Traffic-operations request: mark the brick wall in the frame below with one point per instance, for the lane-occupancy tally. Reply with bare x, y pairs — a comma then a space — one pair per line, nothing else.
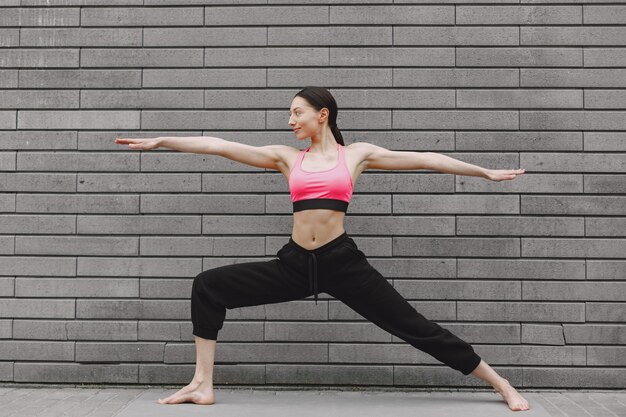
99, 244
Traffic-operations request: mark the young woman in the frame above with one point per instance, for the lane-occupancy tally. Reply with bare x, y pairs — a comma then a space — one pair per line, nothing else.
320, 256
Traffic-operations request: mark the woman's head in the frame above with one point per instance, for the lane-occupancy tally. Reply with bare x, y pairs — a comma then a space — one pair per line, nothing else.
314, 109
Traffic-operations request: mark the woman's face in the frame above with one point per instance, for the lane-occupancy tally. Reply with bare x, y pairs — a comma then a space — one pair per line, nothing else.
304, 118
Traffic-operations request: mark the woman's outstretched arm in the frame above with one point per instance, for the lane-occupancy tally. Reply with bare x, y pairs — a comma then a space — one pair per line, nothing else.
381, 158
193, 144
269, 156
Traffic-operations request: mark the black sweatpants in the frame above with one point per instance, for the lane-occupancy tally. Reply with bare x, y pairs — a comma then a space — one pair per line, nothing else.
337, 268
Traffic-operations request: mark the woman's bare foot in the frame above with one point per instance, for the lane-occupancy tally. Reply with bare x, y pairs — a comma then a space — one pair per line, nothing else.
196, 392
515, 401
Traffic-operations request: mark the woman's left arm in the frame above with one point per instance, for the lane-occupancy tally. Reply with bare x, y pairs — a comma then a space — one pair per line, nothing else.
381, 158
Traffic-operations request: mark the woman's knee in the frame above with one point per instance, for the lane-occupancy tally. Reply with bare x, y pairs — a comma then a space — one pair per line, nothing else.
207, 280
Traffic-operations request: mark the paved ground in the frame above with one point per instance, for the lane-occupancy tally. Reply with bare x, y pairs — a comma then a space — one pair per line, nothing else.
106, 401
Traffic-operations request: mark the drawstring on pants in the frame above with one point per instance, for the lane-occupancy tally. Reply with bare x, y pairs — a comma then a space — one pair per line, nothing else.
313, 274
312, 261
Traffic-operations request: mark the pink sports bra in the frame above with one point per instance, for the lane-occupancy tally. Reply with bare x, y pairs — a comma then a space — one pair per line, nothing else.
328, 189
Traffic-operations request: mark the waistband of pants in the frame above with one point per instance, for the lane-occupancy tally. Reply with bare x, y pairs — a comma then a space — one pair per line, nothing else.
312, 257
325, 247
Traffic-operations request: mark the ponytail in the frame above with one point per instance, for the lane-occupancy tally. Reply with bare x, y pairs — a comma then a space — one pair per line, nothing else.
337, 134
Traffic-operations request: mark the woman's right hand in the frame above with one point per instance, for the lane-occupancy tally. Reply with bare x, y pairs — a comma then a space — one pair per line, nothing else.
142, 144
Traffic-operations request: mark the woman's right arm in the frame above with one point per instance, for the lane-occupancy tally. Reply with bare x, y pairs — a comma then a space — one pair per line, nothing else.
193, 144
269, 156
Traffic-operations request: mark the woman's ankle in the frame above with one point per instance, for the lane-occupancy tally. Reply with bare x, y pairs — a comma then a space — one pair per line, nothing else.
502, 383
201, 379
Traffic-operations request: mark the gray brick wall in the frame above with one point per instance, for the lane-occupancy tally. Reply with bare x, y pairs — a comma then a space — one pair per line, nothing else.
99, 244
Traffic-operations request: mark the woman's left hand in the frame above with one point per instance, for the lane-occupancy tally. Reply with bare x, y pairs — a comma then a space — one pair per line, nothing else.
504, 174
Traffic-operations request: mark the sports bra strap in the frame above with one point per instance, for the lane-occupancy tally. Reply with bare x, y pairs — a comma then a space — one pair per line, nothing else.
298, 164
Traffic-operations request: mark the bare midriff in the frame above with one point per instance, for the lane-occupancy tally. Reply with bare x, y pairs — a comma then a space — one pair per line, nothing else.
316, 227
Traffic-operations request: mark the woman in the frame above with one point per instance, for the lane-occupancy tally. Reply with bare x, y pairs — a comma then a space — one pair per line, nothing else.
321, 179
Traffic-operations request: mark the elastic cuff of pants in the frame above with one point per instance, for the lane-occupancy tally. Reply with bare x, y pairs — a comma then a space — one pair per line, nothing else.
474, 364
205, 333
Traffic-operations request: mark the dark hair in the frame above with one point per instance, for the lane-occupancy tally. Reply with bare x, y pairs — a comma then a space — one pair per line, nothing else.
318, 98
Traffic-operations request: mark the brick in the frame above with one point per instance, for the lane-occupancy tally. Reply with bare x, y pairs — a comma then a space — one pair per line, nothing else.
141, 182
456, 246
9, 38
268, 15
78, 161
7, 289
324, 35
386, 14
74, 372
132, 309
604, 99
542, 334
73, 203
519, 15
585, 120
439, 204
521, 311
455, 119
604, 57
41, 58
205, 36
25, 182
273, 352
518, 141
596, 334
574, 205
81, 2
76, 287
605, 14
574, 77
571, 291
516, 57
78, 119
606, 356
39, 350
604, 141
139, 57
79, 78
597, 311
456, 77
172, 119
36, 307
141, 16
8, 119
203, 246
8, 79
205, 76
80, 37
118, 352
45, 16
606, 269
459, 289
43, 99
581, 162
580, 377
601, 226
572, 35
396, 56
520, 226
560, 269
528, 98
329, 374
455, 35
583, 248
